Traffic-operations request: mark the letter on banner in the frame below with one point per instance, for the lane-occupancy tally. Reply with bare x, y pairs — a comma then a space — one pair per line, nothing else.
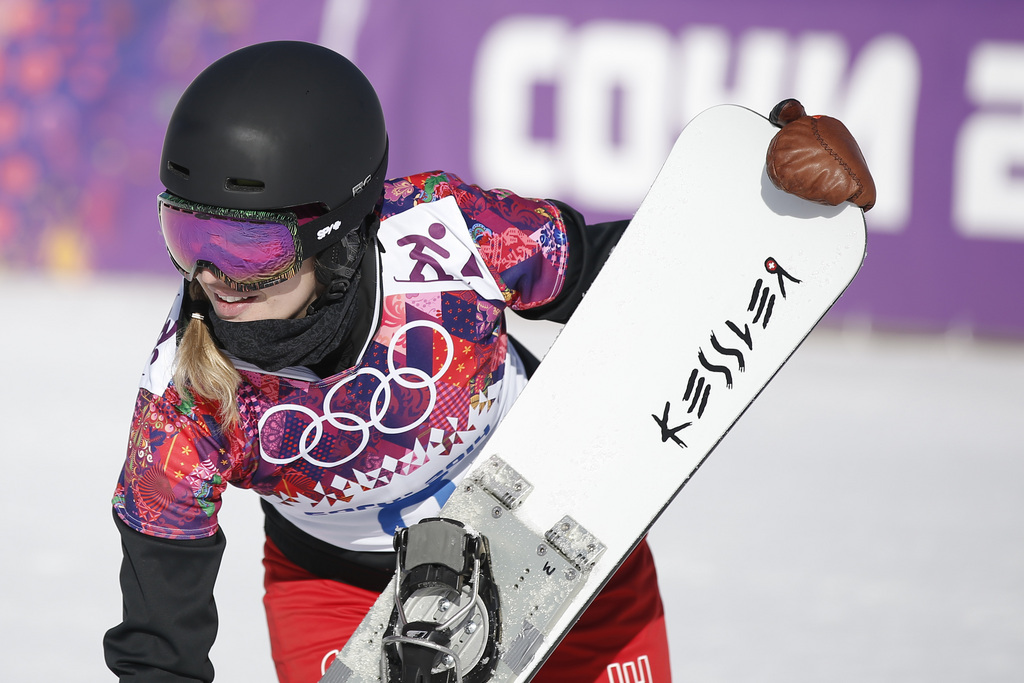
988, 182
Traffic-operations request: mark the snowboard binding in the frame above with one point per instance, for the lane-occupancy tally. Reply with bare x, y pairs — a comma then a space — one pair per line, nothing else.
444, 627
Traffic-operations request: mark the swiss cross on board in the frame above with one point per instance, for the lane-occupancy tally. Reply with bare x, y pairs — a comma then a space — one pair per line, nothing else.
725, 354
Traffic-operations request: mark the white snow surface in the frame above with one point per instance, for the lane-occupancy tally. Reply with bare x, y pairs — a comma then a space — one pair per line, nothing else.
864, 521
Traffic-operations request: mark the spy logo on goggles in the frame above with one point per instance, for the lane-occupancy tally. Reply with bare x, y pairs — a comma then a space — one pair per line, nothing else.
320, 234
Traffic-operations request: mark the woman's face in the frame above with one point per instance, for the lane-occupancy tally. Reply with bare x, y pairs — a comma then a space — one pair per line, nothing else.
288, 299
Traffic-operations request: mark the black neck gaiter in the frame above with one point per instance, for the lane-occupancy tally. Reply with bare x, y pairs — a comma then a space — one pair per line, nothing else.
275, 344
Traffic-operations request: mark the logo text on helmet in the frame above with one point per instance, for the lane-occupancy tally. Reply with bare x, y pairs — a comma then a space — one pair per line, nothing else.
324, 232
359, 186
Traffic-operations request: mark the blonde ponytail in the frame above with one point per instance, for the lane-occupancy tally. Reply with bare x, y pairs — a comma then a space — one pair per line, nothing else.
202, 368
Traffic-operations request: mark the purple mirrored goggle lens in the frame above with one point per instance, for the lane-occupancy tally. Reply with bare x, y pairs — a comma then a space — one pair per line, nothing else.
248, 250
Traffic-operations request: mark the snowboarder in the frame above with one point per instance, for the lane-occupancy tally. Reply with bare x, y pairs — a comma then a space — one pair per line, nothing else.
338, 344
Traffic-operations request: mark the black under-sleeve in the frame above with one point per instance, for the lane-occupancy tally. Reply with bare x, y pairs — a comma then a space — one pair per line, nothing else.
589, 246
169, 616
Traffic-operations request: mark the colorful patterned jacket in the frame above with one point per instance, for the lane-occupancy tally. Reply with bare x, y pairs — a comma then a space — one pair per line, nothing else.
341, 461
348, 457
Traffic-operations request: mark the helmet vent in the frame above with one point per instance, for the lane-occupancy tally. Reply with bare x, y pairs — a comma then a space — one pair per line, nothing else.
177, 169
244, 185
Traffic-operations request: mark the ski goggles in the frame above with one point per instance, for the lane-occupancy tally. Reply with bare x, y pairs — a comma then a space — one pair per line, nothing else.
252, 249
246, 249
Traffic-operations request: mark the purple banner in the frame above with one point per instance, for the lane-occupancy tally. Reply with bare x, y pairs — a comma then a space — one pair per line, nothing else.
578, 101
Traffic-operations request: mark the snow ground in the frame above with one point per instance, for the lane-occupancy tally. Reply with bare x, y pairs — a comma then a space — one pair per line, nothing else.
864, 521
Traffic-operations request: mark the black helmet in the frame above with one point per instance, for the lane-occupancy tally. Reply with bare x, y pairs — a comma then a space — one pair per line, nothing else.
276, 125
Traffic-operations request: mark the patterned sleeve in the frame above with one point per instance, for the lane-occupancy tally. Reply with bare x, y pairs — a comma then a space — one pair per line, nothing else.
522, 241
175, 470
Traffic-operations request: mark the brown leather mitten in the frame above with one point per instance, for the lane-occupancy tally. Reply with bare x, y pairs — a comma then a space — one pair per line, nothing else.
816, 158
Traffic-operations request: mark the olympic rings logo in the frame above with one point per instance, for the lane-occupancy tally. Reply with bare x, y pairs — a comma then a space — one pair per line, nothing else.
377, 407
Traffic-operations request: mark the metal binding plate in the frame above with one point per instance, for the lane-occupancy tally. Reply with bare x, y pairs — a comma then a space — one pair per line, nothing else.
578, 545
503, 482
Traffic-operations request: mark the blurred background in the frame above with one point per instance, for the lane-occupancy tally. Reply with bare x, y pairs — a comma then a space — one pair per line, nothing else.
861, 522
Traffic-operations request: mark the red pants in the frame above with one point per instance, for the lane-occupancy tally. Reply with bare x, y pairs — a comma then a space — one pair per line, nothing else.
621, 637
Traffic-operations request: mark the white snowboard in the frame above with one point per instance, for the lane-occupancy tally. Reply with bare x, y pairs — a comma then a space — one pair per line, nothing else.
718, 279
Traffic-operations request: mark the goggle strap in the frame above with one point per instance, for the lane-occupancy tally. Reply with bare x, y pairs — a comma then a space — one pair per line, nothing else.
323, 231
